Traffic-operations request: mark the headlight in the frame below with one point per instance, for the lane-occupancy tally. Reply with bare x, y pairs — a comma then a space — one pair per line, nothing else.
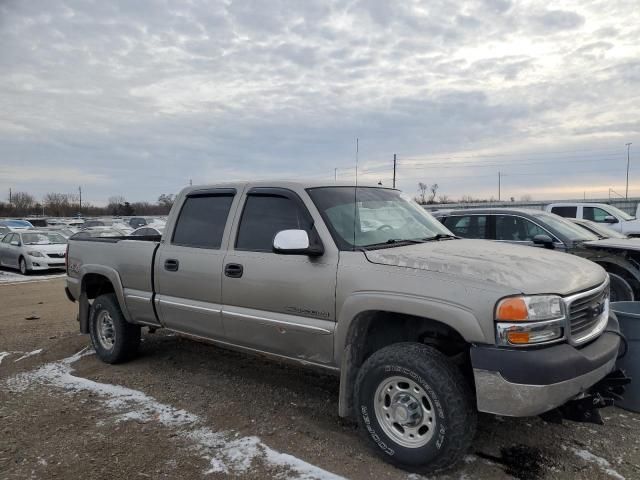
523, 320
35, 254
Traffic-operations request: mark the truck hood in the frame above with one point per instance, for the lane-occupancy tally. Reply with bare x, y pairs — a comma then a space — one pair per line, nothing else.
621, 243
528, 270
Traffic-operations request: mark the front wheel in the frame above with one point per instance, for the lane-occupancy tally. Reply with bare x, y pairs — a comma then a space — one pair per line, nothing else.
114, 339
24, 270
415, 408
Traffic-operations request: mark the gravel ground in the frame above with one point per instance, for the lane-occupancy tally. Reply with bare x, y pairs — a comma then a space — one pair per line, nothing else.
184, 409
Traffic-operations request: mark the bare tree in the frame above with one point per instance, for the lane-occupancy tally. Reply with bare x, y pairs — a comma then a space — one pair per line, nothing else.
22, 202
57, 204
444, 199
166, 201
526, 198
422, 188
433, 189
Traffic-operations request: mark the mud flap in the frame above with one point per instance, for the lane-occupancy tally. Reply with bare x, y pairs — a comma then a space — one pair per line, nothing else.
587, 407
83, 313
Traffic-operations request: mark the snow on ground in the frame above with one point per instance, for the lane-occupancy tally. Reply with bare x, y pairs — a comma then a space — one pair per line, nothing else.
11, 276
28, 354
227, 452
604, 465
3, 355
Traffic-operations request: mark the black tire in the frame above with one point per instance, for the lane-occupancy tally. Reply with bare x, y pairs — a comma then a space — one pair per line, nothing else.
451, 399
124, 335
621, 291
22, 266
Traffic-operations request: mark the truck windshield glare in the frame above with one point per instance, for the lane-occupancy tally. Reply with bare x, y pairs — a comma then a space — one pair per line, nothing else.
382, 217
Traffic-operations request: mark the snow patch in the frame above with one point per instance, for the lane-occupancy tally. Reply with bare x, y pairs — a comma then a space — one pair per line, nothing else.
604, 465
3, 355
27, 355
225, 451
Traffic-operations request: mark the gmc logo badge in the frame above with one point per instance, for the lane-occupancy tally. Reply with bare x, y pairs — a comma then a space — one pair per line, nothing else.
596, 310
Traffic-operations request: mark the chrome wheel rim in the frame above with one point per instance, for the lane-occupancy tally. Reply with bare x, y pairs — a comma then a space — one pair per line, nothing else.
405, 412
105, 330
23, 266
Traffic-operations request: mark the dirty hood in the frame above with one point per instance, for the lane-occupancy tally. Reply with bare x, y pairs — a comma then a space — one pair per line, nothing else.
526, 269
621, 243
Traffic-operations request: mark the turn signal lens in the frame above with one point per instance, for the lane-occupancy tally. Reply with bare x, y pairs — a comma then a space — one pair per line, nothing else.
512, 309
518, 337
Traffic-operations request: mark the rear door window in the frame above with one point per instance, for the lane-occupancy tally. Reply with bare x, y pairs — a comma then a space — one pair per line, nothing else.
202, 220
567, 212
468, 226
595, 214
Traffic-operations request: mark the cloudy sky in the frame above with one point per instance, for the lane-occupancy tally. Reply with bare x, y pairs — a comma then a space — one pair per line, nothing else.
137, 97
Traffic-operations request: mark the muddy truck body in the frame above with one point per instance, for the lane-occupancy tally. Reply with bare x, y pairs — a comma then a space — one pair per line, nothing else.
422, 328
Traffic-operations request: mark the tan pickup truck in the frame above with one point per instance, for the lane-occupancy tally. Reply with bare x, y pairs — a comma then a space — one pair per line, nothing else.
423, 329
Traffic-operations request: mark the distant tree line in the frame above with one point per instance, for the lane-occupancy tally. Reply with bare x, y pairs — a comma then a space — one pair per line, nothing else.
428, 195
23, 204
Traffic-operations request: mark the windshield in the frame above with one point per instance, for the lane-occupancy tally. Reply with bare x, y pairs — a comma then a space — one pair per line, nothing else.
381, 216
619, 213
601, 230
18, 223
566, 228
42, 238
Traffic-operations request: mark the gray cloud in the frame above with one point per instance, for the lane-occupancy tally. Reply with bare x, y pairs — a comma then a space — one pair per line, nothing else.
135, 98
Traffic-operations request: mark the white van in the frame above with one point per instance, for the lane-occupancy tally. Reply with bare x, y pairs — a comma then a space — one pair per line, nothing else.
615, 218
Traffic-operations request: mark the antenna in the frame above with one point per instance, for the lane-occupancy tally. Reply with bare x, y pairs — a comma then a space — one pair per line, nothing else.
355, 196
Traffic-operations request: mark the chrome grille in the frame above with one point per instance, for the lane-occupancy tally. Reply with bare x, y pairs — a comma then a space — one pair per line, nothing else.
55, 255
588, 313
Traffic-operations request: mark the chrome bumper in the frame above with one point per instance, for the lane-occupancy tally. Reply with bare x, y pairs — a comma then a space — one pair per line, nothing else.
498, 396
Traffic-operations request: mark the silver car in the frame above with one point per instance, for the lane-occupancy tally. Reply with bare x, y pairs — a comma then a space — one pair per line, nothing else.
32, 250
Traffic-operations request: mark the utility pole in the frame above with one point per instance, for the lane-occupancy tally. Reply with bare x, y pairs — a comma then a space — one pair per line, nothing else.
9, 196
80, 192
499, 186
394, 170
335, 175
626, 196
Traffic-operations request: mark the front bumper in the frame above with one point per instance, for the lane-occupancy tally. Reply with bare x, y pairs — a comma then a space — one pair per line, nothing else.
522, 383
45, 263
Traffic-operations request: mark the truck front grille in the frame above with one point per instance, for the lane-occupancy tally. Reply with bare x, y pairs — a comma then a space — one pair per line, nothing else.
588, 313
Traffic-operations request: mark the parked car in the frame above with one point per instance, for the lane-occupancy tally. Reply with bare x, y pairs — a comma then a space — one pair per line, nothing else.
93, 232
15, 225
423, 329
137, 222
543, 229
149, 230
63, 230
31, 250
598, 229
600, 213
3, 231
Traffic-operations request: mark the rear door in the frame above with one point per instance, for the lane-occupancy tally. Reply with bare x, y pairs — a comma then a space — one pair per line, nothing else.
282, 304
4, 249
188, 266
469, 226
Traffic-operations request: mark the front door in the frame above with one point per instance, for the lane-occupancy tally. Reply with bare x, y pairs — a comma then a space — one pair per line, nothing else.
282, 304
188, 266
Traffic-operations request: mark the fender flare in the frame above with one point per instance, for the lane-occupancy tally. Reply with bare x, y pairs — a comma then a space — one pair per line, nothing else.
456, 316
111, 275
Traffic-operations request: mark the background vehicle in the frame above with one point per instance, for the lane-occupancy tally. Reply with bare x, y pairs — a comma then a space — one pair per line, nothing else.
615, 218
136, 222
33, 250
542, 229
15, 225
148, 230
423, 329
63, 230
99, 232
598, 229
3, 231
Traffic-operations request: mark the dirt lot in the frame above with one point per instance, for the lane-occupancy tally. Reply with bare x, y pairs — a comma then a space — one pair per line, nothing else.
190, 410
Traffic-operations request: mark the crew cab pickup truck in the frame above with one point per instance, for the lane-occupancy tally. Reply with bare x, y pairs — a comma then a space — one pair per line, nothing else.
423, 329
613, 217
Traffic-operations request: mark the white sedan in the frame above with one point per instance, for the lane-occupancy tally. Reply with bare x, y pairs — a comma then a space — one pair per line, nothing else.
32, 250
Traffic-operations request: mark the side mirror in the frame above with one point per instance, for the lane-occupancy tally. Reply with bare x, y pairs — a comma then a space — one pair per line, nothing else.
610, 219
15, 243
294, 242
543, 240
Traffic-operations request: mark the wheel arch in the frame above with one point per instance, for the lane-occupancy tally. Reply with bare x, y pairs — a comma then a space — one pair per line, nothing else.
373, 329
627, 272
97, 280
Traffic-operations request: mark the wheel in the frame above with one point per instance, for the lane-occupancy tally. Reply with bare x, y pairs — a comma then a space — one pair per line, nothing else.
621, 291
114, 339
23, 267
415, 408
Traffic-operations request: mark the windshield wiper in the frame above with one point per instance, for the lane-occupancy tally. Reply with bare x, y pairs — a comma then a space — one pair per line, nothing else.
394, 241
439, 236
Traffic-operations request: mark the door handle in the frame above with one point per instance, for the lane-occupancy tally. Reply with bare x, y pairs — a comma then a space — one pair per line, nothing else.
233, 270
171, 265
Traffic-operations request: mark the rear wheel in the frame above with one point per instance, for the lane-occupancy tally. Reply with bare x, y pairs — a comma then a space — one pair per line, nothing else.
23, 267
415, 408
114, 339
621, 291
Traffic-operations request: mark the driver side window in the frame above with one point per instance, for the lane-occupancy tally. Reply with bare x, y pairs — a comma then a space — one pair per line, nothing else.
516, 229
595, 214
